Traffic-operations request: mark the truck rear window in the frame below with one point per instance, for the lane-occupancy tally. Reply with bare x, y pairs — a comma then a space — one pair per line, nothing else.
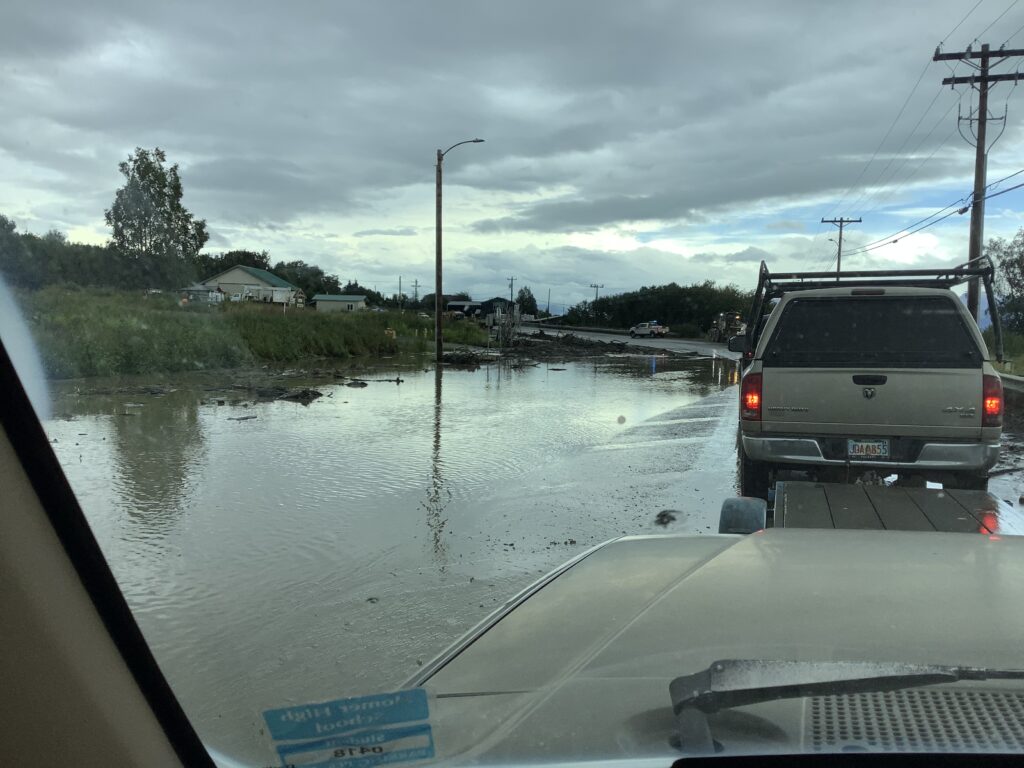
890, 331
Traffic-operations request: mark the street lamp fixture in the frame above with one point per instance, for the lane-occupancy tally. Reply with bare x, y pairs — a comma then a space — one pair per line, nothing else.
438, 293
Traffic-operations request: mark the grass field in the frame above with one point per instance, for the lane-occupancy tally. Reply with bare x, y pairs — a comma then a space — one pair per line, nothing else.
83, 332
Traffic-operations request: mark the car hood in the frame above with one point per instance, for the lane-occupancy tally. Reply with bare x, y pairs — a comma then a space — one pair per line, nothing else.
579, 667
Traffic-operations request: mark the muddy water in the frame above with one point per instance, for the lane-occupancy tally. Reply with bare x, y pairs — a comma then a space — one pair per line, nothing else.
278, 554
326, 550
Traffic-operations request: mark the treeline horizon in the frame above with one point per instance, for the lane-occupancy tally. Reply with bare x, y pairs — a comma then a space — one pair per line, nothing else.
31, 262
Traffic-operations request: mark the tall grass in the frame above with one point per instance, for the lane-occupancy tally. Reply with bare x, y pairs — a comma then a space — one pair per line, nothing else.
99, 332
90, 332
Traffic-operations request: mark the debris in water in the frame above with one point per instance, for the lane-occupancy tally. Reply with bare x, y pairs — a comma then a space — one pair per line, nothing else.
355, 383
665, 517
373, 599
304, 396
241, 418
462, 357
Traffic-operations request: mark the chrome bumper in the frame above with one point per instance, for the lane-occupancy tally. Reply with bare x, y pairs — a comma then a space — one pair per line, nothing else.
805, 450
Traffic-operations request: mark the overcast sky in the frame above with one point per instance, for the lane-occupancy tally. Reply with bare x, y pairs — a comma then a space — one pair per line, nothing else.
627, 144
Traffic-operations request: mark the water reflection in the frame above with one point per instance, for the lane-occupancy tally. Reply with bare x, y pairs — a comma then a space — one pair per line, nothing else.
438, 495
703, 375
158, 447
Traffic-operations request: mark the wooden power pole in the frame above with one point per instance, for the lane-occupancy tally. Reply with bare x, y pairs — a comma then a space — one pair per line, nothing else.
981, 80
841, 222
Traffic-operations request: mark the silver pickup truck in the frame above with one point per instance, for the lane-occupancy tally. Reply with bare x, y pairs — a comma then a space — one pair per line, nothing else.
882, 372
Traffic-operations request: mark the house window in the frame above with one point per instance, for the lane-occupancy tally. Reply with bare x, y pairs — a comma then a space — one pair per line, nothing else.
351, 307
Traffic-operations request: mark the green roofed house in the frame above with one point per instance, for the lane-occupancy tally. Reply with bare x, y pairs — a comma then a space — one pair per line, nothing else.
242, 283
329, 302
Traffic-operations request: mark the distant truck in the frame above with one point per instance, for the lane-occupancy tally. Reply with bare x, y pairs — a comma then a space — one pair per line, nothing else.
648, 329
725, 325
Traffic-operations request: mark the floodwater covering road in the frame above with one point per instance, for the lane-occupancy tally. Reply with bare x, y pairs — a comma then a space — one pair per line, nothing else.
280, 554
705, 348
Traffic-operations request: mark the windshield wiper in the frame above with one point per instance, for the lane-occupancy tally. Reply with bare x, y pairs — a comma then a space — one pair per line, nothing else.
737, 683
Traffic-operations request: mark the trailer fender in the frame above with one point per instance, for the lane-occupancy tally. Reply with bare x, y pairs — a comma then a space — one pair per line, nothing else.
743, 514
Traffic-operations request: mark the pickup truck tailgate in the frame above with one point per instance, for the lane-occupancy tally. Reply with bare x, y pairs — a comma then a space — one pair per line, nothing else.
933, 402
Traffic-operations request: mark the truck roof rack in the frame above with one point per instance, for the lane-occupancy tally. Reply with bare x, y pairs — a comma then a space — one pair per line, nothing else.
773, 286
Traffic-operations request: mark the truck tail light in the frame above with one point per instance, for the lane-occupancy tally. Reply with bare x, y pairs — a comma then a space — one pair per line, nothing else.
992, 402
750, 397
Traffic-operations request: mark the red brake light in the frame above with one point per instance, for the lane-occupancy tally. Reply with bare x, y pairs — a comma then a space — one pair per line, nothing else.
750, 397
992, 402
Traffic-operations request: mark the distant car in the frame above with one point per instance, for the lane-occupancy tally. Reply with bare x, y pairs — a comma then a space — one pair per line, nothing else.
648, 329
423, 314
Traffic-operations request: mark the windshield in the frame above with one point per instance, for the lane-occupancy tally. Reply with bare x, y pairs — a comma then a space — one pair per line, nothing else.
351, 324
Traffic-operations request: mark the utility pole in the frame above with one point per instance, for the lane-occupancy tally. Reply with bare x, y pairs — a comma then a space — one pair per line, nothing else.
438, 292
841, 222
399, 292
511, 280
548, 310
981, 81
596, 288
416, 290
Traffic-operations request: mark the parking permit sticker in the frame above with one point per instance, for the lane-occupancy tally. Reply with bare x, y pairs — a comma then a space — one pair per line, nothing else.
358, 732
364, 749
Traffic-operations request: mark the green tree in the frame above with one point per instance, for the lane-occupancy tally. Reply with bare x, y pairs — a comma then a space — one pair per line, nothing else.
427, 299
353, 288
1008, 258
16, 263
309, 277
210, 264
527, 303
150, 225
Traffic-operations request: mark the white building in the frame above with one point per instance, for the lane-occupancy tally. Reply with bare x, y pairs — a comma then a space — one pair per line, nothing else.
242, 283
328, 302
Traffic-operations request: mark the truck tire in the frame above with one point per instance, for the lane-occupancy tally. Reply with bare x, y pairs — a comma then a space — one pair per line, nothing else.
632, 334
753, 475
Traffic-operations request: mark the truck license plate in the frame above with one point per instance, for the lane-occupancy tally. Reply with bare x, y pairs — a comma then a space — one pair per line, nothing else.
867, 449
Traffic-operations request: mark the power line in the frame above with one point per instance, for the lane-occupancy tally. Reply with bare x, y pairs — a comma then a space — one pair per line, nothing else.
982, 82
899, 236
954, 29
864, 195
893, 190
1013, 35
902, 109
997, 18
914, 228
1003, 191
905, 103
888, 239
1005, 178
892, 125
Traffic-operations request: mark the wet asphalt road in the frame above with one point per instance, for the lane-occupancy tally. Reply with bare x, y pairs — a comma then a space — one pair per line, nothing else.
668, 344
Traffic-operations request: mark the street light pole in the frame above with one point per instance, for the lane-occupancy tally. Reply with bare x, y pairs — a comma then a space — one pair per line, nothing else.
438, 293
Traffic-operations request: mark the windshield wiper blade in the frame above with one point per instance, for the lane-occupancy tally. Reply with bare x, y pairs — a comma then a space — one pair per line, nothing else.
739, 682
